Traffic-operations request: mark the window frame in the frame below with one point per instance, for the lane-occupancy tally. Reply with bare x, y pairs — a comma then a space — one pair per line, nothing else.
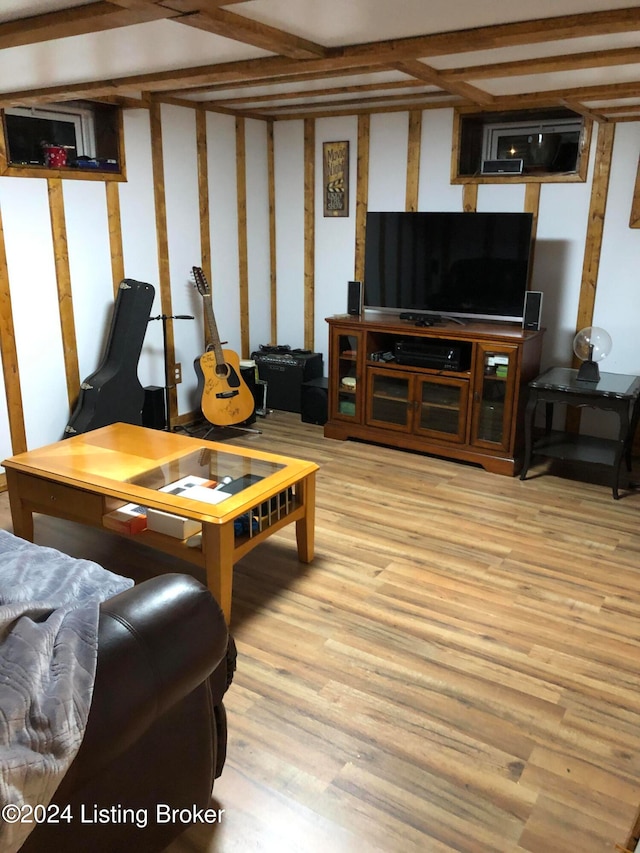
531, 121
83, 117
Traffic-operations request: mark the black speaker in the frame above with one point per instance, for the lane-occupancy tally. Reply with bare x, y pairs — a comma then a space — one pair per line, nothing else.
314, 405
532, 309
354, 298
511, 166
284, 373
153, 408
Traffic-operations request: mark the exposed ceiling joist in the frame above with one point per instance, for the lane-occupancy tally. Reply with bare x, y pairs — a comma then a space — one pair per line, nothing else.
81, 20
399, 64
500, 36
546, 64
421, 71
208, 16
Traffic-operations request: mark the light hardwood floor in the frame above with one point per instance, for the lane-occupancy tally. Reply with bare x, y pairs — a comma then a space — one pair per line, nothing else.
457, 670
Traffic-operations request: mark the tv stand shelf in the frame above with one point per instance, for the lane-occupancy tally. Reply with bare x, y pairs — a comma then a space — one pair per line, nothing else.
457, 391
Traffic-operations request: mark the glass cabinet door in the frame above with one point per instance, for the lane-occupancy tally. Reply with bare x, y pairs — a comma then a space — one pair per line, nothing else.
442, 407
389, 399
493, 395
348, 394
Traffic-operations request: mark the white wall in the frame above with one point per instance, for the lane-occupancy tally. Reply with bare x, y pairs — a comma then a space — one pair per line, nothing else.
85, 206
435, 192
289, 180
139, 237
183, 238
258, 253
223, 211
335, 235
34, 298
388, 149
562, 228
617, 307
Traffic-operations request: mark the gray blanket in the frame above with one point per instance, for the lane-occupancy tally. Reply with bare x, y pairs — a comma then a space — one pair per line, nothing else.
49, 607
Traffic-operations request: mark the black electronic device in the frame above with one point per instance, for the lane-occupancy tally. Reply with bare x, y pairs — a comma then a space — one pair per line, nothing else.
154, 414
457, 265
354, 298
314, 402
284, 372
532, 310
382, 355
440, 356
508, 166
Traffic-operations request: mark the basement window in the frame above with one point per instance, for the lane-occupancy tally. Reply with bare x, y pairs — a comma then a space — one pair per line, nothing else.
70, 137
526, 145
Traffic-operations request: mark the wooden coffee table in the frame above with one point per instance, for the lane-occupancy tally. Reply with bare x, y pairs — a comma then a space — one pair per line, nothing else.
86, 477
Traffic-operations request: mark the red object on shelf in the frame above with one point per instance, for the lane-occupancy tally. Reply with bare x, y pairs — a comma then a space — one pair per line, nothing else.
55, 156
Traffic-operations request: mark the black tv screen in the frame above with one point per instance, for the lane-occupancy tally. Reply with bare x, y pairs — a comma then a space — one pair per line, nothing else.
469, 265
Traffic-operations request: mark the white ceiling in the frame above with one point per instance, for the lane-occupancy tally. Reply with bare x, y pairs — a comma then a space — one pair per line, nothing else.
334, 56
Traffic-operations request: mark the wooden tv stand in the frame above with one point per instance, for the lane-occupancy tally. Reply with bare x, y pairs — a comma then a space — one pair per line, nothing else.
457, 391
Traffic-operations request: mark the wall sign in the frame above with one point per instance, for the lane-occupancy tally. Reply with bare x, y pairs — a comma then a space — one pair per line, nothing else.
335, 174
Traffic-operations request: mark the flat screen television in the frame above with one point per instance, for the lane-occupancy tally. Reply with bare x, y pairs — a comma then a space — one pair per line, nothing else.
463, 265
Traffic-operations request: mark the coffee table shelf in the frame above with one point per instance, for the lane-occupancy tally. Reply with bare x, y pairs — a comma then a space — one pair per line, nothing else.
88, 476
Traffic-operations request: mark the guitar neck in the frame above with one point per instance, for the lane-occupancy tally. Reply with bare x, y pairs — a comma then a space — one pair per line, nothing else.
214, 336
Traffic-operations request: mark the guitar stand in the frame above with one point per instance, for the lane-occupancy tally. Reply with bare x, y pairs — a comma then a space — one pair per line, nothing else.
260, 410
167, 380
213, 428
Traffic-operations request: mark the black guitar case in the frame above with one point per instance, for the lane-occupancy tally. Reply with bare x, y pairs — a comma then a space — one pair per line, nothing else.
113, 394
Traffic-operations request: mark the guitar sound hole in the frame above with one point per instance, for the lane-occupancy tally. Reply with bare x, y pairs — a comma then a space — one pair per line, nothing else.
228, 372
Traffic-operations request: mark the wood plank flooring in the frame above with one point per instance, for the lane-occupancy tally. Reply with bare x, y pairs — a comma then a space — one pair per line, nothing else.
457, 670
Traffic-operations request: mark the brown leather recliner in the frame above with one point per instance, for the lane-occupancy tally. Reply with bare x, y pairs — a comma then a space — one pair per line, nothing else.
156, 734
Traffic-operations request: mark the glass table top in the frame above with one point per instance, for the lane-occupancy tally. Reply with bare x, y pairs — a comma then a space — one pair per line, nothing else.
609, 384
220, 474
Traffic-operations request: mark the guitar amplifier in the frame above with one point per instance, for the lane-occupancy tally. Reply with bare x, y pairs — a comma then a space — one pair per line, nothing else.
284, 370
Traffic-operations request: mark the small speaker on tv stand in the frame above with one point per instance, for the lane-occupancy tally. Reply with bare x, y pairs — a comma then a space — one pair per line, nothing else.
532, 310
354, 298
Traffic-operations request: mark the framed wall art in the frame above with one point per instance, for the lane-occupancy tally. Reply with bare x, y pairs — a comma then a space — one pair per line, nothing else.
335, 172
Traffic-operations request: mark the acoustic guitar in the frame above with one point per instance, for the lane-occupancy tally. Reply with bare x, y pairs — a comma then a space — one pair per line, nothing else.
226, 398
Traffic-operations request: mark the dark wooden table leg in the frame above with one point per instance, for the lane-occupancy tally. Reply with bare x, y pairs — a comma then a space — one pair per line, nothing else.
528, 431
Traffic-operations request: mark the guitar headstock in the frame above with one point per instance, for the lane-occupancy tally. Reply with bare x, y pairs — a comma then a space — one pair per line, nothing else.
201, 282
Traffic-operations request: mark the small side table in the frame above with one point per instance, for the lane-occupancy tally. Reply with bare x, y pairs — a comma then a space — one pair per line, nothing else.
615, 392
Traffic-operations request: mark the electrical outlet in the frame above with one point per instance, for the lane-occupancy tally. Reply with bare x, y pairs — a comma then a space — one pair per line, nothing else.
177, 373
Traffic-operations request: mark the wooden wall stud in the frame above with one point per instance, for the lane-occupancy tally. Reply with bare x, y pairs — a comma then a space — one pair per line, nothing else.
309, 231
243, 262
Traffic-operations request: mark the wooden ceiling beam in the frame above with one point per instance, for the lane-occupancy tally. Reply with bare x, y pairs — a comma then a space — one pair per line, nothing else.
187, 6
291, 78
335, 90
578, 96
412, 100
240, 28
361, 109
401, 54
421, 71
80, 20
499, 36
208, 16
545, 64
272, 68
581, 110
